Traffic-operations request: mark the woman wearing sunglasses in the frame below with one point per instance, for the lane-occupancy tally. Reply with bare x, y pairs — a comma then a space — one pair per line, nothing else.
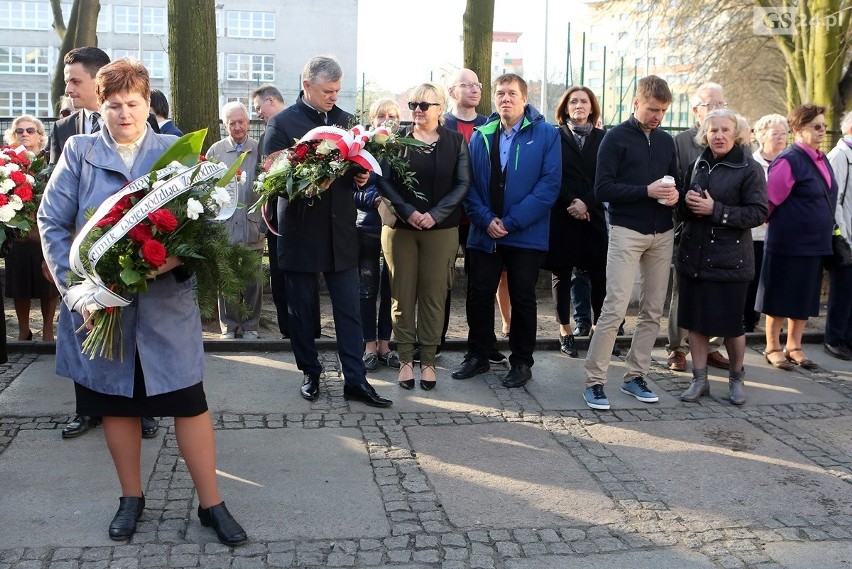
421, 244
802, 198
24, 277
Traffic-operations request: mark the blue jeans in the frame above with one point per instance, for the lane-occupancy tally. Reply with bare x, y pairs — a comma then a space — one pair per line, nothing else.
374, 283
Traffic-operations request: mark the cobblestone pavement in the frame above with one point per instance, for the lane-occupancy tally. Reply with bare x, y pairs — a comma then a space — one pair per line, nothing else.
649, 528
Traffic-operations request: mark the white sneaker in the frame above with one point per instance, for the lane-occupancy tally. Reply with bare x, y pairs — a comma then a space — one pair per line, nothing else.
228, 336
250, 335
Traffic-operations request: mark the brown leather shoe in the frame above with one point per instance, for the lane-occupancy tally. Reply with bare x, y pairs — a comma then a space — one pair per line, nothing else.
716, 359
677, 361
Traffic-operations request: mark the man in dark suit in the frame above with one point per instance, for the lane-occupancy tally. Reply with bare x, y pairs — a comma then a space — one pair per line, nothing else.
319, 235
160, 108
81, 66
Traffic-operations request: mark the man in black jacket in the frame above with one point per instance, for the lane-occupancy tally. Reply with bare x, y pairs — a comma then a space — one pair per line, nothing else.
319, 235
632, 160
81, 66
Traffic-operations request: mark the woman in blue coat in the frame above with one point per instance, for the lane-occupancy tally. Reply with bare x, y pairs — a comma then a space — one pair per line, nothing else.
161, 368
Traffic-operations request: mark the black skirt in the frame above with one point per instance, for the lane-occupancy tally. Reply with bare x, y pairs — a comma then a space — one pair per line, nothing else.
789, 286
187, 402
711, 308
24, 278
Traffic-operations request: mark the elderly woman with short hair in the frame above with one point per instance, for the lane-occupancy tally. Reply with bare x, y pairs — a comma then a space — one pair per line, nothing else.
724, 197
421, 246
771, 133
25, 279
802, 197
162, 363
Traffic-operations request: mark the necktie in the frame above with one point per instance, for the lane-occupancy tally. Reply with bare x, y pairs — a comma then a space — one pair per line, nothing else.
324, 117
238, 147
96, 123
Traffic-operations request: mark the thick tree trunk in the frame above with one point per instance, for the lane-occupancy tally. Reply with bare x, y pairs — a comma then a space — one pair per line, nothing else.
192, 64
478, 33
81, 31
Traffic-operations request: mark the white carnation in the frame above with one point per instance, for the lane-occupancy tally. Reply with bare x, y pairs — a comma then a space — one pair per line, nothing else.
220, 196
30, 180
194, 208
13, 167
16, 202
6, 185
6, 213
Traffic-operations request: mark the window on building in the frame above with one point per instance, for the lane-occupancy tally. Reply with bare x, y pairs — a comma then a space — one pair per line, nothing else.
29, 60
595, 65
25, 15
672, 60
250, 67
15, 103
157, 64
258, 25
126, 19
594, 83
154, 21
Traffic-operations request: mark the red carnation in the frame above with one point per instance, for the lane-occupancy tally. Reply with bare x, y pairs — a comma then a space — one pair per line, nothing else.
141, 232
109, 219
153, 252
3, 199
163, 220
25, 192
202, 158
300, 152
18, 177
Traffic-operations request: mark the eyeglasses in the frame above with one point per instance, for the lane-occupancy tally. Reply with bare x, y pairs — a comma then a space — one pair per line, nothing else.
818, 127
471, 85
711, 106
424, 106
257, 107
28, 130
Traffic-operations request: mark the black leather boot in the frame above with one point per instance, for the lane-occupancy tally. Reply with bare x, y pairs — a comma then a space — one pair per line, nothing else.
227, 529
123, 525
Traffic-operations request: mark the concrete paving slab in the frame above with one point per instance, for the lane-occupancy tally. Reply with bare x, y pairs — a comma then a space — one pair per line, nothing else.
450, 395
835, 432
682, 559
820, 555
508, 475
266, 383
292, 484
722, 469
61, 493
765, 385
38, 391
558, 384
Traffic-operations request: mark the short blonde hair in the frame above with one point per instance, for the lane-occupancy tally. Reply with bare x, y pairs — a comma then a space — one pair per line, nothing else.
766, 123
384, 105
431, 90
11, 137
740, 127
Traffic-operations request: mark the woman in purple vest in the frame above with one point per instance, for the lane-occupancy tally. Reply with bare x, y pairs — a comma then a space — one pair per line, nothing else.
802, 196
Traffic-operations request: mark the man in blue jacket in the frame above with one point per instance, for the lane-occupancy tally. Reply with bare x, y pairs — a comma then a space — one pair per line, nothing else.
632, 160
517, 170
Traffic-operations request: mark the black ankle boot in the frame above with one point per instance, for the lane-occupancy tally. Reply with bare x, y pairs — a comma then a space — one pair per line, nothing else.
228, 530
123, 525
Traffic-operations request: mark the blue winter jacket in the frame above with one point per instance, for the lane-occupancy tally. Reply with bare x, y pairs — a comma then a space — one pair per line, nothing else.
533, 178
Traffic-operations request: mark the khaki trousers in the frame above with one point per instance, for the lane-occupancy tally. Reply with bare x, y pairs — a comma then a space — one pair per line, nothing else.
420, 266
629, 252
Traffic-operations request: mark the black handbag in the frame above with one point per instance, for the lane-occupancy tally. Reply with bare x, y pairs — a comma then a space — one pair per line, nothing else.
841, 252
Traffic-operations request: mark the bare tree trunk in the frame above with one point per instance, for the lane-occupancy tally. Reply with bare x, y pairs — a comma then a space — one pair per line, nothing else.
81, 31
195, 91
58, 19
478, 37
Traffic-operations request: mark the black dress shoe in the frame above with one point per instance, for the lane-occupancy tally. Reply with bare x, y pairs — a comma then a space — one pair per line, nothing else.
518, 376
79, 425
365, 394
471, 366
310, 386
580, 331
568, 347
150, 425
123, 525
838, 351
227, 529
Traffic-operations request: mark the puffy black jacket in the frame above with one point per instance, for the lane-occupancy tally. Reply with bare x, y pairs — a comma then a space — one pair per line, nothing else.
719, 247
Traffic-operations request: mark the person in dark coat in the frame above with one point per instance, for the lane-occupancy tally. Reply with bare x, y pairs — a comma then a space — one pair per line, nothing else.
724, 199
319, 235
578, 236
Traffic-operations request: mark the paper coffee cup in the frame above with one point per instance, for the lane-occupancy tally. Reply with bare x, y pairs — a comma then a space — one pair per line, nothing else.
667, 181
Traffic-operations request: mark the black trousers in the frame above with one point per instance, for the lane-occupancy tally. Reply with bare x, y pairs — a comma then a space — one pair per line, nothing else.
522, 268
